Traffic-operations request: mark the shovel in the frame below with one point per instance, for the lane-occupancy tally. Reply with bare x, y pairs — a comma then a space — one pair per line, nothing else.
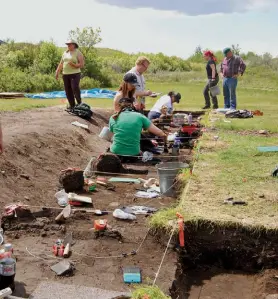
64, 214
67, 243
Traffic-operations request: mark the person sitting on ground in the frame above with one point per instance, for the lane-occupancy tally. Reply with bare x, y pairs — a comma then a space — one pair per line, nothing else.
127, 90
166, 100
164, 115
127, 125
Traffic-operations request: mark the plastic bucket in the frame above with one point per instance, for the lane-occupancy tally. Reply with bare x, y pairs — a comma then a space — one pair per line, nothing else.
167, 172
215, 90
105, 134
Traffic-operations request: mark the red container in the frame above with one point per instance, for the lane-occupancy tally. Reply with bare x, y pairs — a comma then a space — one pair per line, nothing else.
100, 225
189, 129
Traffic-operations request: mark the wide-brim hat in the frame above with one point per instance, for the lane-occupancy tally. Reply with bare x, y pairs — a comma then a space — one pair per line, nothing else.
70, 41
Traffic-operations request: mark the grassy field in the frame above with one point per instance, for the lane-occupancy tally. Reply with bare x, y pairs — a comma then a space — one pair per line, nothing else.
192, 99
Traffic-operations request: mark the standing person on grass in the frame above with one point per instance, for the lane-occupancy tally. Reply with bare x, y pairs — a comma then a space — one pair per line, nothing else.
231, 68
127, 90
213, 80
141, 66
71, 63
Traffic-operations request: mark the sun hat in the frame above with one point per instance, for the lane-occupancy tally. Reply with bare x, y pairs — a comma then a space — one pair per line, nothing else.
130, 78
70, 41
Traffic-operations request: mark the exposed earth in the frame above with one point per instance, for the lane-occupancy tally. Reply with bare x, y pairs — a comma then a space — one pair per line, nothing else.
38, 145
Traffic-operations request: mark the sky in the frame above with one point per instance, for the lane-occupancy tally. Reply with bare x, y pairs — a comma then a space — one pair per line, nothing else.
174, 27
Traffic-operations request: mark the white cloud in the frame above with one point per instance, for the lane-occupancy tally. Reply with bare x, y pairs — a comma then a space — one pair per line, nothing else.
199, 7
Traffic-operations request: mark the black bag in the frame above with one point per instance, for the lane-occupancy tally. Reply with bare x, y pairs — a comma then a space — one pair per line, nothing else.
239, 114
83, 110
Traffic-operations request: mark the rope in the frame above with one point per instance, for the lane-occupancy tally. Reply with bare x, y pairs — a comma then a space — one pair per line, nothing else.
116, 256
95, 257
163, 258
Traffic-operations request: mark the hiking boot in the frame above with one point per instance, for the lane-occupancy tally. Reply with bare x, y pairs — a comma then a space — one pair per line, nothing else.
206, 107
215, 107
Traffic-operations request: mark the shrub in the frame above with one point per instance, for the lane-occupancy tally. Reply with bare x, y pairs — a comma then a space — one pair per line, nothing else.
89, 83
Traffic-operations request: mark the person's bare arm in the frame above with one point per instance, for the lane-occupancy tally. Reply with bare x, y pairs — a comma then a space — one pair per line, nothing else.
116, 101
156, 131
1, 140
144, 93
213, 68
59, 68
221, 70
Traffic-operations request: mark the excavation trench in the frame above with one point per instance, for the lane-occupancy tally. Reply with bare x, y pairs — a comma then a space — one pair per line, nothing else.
36, 152
226, 262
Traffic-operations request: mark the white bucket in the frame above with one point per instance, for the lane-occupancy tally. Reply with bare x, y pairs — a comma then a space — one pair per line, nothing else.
215, 90
106, 134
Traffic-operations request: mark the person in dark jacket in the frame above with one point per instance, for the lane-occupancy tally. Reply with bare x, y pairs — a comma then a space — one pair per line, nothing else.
213, 80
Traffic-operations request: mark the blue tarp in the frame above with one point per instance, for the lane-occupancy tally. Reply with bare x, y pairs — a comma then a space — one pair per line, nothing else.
89, 93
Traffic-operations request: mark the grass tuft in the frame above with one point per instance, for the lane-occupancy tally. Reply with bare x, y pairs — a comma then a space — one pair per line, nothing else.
148, 292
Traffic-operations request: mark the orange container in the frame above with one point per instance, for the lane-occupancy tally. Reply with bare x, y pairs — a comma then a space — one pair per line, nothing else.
100, 224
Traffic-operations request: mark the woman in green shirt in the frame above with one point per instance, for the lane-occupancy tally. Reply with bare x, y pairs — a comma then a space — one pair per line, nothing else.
127, 125
71, 63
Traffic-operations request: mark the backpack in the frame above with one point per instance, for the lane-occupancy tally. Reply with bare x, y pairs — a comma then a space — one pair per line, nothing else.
83, 110
239, 114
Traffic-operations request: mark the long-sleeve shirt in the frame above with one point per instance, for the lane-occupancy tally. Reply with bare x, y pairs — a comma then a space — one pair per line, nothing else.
232, 66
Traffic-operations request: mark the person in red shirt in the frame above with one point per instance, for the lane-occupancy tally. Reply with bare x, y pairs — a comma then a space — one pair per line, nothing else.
213, 80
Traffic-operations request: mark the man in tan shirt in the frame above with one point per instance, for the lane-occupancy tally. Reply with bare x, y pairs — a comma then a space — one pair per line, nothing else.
141, 66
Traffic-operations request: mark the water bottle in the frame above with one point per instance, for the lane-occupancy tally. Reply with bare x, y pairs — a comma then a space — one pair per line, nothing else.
176, 148
190, 118
7, 269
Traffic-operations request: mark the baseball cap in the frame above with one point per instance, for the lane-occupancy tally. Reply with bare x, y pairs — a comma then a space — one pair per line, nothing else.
130, 78
177, 97
226, 51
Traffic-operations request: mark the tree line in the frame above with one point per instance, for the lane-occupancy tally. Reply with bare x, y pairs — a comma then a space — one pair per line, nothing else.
29, 67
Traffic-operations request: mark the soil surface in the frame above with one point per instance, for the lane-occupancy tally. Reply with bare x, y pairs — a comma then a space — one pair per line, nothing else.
38, 145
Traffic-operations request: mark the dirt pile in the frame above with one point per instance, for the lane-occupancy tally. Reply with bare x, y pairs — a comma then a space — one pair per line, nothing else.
38, 145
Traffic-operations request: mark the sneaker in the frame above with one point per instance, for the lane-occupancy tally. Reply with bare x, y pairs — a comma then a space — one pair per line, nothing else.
206, 107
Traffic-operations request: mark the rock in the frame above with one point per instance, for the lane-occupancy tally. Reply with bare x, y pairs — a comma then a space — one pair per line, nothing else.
44, 234
25, 176
3, 172
26, 198
261, 196
114, 204
263, 132
37, 224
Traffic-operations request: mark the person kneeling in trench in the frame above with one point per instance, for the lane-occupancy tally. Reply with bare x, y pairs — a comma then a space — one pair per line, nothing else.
127, 126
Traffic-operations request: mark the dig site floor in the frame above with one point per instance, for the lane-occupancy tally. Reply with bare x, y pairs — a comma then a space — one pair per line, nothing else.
38, 145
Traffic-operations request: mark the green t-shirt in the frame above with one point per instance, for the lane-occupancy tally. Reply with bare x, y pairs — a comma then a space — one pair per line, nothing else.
127, 130
70, 57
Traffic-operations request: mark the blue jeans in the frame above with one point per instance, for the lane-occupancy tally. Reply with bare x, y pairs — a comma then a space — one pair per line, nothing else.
229, 91
153, 115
